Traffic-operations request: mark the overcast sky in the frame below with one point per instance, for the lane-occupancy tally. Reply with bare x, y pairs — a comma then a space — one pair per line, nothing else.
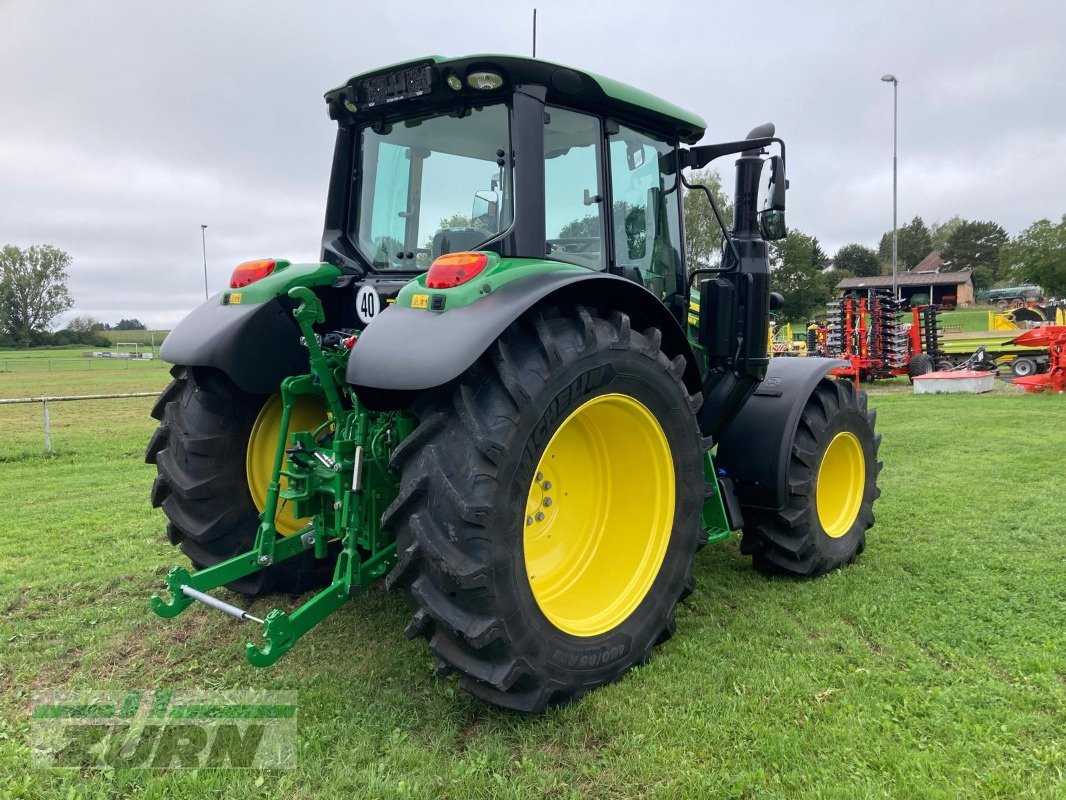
125, 125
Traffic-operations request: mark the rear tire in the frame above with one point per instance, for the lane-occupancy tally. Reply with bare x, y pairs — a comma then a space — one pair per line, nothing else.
471, 482
824, 522
199, 450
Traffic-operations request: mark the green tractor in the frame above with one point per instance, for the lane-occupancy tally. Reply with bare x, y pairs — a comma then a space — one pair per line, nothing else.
501, 388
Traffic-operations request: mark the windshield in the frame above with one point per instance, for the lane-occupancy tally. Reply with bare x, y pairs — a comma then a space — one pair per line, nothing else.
432, 186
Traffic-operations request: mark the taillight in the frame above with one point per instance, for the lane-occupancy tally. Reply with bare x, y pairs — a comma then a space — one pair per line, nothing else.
250, 272
454, 269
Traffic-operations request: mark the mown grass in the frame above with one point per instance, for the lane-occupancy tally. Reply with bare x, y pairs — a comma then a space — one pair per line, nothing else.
934, 667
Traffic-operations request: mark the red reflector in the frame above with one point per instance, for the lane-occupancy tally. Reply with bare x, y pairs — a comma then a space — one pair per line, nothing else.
250, 272
455, 268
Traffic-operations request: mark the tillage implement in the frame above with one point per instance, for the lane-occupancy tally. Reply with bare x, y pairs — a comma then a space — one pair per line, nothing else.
503, 390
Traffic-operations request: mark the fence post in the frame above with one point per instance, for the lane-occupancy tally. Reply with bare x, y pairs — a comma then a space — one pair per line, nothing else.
47, 429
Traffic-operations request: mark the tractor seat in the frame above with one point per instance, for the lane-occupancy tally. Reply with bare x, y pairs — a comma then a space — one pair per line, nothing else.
457, 240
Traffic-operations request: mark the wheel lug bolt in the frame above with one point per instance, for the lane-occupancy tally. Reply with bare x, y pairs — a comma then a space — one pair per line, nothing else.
540, 516
529, 520
547, 501
540, 477
547, 485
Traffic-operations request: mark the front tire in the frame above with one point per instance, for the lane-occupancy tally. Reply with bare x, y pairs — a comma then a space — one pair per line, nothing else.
572, 427
832, 485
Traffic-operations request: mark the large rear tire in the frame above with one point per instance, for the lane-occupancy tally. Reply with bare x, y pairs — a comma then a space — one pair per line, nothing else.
203, 462
832, 485
550, 509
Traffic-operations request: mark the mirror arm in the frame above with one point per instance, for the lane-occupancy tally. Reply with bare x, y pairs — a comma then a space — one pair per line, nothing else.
721, 223
701, 156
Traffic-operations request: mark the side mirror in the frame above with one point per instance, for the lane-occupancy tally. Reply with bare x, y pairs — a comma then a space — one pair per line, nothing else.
772, 216
485, 209
634, 155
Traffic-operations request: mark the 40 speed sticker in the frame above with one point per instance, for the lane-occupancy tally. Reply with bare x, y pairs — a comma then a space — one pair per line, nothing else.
367, 304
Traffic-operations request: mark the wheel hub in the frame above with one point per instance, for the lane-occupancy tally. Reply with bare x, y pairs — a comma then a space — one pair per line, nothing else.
598, 515
307, 415
841, 484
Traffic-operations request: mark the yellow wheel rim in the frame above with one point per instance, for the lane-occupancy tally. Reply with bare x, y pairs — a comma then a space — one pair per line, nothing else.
841, 484
307, 415
598, 515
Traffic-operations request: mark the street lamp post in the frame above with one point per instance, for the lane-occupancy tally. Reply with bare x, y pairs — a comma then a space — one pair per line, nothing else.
890, 78
204, 242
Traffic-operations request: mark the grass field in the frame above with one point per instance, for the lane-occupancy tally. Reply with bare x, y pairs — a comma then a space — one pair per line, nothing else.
933, 668
137, 337
72, 372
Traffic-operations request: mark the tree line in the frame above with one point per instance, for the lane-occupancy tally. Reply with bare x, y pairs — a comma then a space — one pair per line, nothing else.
807, 276
34, 292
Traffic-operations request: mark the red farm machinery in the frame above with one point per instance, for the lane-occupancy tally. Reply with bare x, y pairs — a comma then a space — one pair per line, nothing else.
1053, 337
878, 338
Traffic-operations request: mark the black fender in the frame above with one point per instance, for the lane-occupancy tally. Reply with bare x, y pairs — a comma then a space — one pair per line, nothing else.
256, 345
753, 450
408, 350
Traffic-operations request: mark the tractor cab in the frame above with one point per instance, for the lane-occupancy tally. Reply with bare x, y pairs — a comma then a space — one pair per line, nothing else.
506, 155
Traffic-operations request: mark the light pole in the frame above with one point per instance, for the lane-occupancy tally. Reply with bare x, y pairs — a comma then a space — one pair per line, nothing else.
203, 241
890, 78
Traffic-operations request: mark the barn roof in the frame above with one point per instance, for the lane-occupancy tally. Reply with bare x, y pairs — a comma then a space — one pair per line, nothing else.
907, 279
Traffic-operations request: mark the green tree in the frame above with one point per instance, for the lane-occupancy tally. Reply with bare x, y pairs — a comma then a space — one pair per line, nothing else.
634, 222
982, 278
703, 236
33, 289
1038, 255
857, 259
587, 227
83, 325
940, 232
914, 245
976, 244
796, 264
130, 325
456, 220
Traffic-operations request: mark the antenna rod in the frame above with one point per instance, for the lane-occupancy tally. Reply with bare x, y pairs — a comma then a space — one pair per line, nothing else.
534, 33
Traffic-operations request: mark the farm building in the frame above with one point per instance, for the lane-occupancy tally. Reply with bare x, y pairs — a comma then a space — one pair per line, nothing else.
928, 279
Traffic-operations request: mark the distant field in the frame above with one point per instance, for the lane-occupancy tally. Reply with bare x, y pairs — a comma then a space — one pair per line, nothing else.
72, 363
139, 337
932, 668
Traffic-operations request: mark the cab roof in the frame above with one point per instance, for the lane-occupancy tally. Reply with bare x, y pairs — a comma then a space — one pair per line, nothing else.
391, 89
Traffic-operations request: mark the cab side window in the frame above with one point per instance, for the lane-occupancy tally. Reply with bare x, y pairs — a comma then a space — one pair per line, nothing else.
573, 197
645, 223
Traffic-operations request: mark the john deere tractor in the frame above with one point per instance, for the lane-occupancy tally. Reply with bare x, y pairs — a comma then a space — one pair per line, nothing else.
503, 390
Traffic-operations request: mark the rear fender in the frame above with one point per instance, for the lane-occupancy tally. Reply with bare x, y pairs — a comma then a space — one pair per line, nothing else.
413, 349
753, 450
249, 333
257, 346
